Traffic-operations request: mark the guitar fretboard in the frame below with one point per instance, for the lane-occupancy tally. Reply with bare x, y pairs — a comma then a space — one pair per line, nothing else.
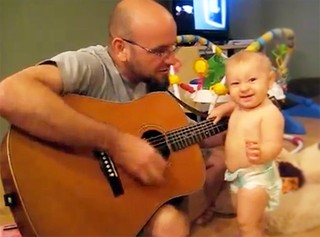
181, 138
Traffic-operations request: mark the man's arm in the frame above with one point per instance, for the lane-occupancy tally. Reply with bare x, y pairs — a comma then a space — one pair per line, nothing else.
217, 140
30, 100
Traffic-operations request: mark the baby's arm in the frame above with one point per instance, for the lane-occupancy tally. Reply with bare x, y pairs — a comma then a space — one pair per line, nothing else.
222, 110
271, 140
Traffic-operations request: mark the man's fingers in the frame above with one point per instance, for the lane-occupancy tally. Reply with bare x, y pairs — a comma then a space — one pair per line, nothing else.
153, 172
151, 177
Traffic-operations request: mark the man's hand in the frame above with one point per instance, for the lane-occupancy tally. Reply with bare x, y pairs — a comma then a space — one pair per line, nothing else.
139, 159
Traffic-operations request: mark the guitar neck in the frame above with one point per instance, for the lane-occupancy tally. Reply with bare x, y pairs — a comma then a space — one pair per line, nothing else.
181, 138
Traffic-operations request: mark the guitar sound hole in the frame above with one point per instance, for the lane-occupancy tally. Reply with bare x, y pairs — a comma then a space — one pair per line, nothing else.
158, 141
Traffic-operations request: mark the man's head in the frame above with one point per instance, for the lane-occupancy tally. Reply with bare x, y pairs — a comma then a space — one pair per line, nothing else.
142, 40
249, 76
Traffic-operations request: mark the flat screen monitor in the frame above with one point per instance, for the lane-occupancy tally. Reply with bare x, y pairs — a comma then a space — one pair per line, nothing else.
206, 18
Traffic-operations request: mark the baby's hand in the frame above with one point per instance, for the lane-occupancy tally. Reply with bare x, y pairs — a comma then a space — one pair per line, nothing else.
252, 150
216, 114
222, 110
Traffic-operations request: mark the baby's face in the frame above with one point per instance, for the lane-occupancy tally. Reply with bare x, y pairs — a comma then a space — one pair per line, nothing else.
248, 83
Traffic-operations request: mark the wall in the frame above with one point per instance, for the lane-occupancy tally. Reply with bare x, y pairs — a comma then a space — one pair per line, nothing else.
252, 18
33, 30
255, 17
304, 18
245, 18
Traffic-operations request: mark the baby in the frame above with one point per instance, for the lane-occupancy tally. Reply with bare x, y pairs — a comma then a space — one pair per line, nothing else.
254, 139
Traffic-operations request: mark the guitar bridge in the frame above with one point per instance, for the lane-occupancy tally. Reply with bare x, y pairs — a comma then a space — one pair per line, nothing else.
9, 199
110, 172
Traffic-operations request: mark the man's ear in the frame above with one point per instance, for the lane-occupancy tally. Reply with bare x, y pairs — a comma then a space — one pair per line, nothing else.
119, 48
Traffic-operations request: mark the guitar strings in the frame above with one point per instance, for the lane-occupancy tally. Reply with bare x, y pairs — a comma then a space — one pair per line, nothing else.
200, 127
192, 128
180, 141
177, 133
190, 131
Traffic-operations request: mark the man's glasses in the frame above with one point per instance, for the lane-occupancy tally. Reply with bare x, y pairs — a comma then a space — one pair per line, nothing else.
161, 51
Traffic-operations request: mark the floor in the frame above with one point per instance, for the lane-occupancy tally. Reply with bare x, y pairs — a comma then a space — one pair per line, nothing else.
221, 227
227, 228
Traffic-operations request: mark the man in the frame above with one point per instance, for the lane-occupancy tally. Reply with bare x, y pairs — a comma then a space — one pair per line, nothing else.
140, 49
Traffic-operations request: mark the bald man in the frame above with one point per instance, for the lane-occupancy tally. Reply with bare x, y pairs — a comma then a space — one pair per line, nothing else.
136, 60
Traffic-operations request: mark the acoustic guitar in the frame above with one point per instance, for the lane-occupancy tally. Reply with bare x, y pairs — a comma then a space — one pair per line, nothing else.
55, 190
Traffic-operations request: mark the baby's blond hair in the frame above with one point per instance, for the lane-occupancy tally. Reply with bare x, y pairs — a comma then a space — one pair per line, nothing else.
248, 56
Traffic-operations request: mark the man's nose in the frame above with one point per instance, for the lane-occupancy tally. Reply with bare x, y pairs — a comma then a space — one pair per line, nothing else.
171, 58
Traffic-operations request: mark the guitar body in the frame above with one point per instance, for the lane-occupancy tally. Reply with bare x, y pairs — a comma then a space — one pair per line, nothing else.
57, 191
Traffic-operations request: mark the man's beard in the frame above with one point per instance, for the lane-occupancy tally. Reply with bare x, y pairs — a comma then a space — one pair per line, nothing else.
156, 85
153, 83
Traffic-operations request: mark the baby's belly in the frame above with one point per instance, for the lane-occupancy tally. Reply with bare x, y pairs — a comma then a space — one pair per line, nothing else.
235, 156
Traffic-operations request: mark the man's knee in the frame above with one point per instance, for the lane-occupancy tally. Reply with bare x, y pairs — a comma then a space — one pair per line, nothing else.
168, 221
216, 159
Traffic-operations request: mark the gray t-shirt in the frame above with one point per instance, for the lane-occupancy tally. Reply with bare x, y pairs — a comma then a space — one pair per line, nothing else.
90, 71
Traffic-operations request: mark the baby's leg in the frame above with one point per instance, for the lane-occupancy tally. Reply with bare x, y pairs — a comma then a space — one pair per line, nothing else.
251, 204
